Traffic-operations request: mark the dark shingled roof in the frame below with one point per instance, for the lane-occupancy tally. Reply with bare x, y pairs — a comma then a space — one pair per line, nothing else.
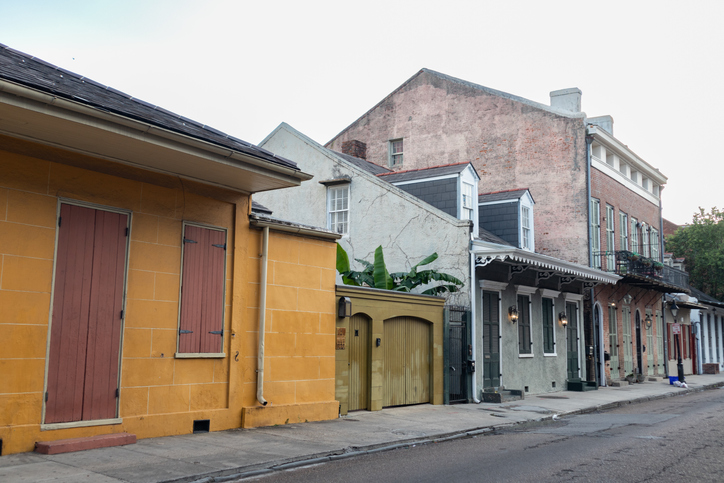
259, 208
487, 236
424, 173
362, 163
501, 195
704, 298
37, 74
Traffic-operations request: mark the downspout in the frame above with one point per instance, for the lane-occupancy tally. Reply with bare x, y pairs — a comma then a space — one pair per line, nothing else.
663, 298
262, 318
589, 141
473, 321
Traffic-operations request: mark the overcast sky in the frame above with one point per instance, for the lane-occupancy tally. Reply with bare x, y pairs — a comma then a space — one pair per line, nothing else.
245, 66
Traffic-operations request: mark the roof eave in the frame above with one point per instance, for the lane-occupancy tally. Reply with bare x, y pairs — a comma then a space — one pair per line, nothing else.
40, 117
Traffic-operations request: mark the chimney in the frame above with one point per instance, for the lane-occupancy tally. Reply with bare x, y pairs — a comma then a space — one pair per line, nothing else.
604, 122
567, 99
355, 148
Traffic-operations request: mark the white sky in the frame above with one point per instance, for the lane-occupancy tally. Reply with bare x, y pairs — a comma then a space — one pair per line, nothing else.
245, 66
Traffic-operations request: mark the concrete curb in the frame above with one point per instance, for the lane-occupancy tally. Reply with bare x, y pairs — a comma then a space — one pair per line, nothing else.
243, 472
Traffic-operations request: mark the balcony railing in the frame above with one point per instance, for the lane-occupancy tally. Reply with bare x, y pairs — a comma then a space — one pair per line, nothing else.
623, 262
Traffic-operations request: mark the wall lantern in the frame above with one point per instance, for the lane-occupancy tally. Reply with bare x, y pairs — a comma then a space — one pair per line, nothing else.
627, 299
344, 308
513, 313
563, 319
674, 309
647, 320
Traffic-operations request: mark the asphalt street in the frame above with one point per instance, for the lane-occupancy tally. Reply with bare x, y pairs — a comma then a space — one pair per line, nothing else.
674, 439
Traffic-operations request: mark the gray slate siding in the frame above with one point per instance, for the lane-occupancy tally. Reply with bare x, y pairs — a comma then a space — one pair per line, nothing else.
442, 194
501, 219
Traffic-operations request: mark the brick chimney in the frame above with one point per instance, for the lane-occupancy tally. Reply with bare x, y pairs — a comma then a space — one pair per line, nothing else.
567, 99
355, 148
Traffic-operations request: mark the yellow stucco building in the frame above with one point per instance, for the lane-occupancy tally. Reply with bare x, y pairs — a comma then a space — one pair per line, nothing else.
134, 277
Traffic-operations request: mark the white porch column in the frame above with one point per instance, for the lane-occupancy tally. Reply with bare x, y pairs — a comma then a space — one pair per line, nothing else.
705, 317
718, 320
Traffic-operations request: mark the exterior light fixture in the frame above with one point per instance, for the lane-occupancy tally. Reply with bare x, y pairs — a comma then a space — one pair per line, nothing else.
563, 319
674, 309
627, 299
647, 320
513, 313
344, 307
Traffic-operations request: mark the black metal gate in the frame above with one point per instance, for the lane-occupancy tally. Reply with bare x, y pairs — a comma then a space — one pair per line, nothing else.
459, 353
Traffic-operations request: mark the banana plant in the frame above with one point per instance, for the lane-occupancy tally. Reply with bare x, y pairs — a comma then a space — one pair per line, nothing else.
376, 275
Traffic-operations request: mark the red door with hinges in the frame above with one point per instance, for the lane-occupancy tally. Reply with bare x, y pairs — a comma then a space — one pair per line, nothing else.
85, 333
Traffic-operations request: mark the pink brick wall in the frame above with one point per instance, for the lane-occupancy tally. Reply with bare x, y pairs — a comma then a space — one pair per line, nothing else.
510, 143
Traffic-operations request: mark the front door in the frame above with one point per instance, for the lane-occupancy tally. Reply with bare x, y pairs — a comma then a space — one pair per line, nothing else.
359, 353
639, 352
85, 333
491, 340
572, 341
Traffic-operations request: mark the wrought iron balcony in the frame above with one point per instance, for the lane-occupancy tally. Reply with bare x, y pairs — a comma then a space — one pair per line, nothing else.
633, 266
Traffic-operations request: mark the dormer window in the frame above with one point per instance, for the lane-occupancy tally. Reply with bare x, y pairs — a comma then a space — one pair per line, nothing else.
525, 227
467, 201
395, 152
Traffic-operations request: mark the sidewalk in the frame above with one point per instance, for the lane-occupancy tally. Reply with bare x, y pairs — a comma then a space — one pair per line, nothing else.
229, 455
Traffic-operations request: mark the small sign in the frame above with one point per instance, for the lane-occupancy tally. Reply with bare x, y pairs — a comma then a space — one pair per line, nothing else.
676, 328
341, 337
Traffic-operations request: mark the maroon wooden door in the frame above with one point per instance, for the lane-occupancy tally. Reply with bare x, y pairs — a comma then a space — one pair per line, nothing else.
85, 335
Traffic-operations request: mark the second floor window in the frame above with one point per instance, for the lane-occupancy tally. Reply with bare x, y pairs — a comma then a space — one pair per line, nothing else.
623, 230
596, 232
655, 244
525, 227
338, 209
634, 236
645, 240
467, 201
395, 152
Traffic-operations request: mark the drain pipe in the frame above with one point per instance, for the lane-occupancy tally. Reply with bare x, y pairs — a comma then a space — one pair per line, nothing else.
473, 321
262, 318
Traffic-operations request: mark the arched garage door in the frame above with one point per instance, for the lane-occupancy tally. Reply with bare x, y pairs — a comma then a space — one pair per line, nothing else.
407, 361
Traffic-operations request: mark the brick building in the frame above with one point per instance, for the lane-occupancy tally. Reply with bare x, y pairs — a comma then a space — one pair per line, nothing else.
596, 202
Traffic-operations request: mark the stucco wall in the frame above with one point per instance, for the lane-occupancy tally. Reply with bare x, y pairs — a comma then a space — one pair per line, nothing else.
160, 394
408, 229
511, 144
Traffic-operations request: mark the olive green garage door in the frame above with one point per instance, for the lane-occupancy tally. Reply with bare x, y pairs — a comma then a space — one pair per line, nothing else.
407, 361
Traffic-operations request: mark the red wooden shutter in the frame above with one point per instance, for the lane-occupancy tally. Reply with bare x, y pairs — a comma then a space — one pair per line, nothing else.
202, 290
86, 324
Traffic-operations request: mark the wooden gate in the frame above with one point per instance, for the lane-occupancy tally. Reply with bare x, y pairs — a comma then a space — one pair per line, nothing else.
407, 361
359, 370
85, 334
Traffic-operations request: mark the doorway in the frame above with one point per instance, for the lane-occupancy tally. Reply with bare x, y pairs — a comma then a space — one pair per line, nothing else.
87, 315
639, 351
406, 361
491, 340
359, 365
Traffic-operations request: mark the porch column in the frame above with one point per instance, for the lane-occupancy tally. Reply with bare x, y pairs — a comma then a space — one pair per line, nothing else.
705, 333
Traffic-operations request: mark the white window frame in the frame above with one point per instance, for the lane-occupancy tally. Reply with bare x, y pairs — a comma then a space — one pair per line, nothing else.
623, 230
525, 227
634, 236
527, 292
645, 240
655, 244
610, 239
552, 295
467, 202
596, 232
333, 211
395, 158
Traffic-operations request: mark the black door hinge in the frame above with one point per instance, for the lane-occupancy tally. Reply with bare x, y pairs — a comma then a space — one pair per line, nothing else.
46, 396
185, 331
118, 392
217, 332
60, 220
126, 231
219, 246
187, 240
121, 314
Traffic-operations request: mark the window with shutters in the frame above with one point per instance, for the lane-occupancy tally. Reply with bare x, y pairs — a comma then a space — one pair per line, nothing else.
596, 232
634, 235
623, 230
525, 344
203, 276
549, 334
